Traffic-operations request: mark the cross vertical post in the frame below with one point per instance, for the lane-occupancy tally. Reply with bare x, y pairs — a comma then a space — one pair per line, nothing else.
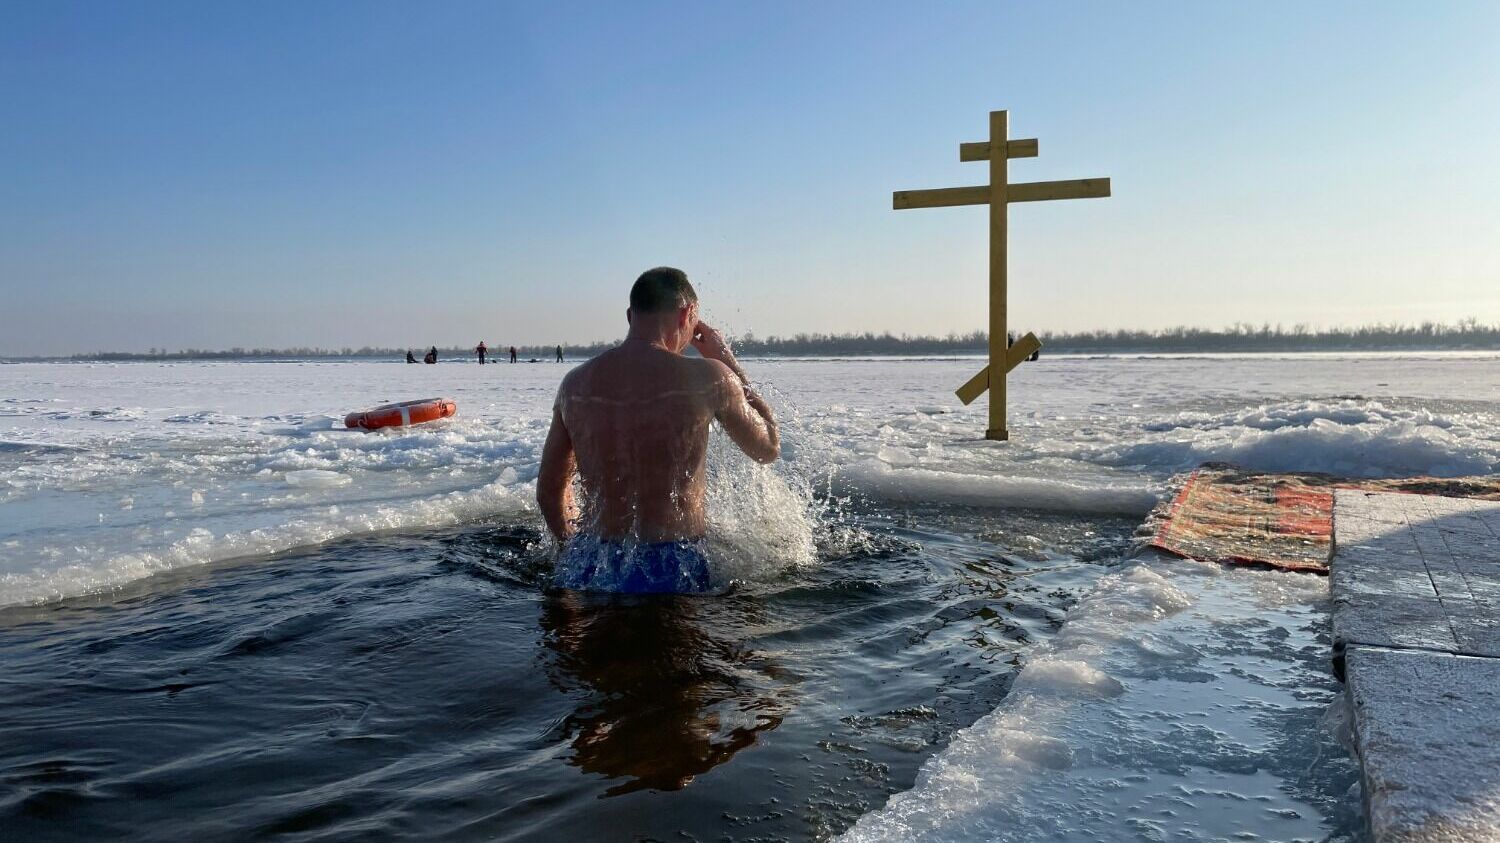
998, 194
999, 182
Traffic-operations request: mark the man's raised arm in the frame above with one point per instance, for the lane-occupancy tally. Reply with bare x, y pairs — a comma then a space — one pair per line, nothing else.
746, 417
554, 481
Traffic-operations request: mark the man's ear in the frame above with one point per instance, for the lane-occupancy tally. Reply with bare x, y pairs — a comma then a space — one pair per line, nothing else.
627, 316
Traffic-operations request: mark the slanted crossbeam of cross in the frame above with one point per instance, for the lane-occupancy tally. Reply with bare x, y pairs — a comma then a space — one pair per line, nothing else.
998, 194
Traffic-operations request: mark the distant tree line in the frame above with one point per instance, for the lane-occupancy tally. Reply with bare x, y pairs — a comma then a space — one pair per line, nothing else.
1467, 334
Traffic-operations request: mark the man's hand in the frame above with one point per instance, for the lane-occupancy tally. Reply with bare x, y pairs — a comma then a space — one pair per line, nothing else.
710, 343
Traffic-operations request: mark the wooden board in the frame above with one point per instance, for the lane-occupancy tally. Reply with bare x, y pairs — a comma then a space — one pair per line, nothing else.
999, 271
1041, 191
1026, 191
1014, 356
980, 151
941, 197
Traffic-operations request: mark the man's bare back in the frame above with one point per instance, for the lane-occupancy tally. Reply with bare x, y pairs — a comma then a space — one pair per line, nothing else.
634, 424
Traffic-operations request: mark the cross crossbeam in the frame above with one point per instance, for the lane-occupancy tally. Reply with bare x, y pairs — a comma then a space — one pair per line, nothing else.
998, 195
1026, 191
1014, 356
1018, 148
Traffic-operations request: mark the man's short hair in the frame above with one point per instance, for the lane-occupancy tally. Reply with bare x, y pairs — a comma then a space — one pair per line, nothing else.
661, 289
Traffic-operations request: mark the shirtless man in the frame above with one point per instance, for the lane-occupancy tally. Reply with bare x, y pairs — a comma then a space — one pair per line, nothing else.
633, 422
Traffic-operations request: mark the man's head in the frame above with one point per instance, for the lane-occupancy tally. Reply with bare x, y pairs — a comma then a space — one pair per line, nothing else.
663, 305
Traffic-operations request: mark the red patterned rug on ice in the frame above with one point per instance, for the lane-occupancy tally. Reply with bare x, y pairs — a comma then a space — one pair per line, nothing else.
1227, 514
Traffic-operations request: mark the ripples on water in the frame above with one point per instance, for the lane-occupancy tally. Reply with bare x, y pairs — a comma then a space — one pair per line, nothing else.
425, 686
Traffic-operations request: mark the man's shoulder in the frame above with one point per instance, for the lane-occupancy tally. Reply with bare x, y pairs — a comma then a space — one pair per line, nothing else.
709, 372
717, 382
584, 367
578, 374
709, 368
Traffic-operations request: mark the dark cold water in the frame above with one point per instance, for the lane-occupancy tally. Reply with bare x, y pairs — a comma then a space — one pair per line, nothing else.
424, 686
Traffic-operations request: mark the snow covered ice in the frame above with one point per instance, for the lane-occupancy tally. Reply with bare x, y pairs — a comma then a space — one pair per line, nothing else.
1179, 701
114, 472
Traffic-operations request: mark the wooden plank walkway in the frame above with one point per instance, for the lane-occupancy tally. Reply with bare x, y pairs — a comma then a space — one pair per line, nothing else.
1416, 625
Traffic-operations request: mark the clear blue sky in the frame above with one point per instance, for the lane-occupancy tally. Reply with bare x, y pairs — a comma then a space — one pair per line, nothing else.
220, 174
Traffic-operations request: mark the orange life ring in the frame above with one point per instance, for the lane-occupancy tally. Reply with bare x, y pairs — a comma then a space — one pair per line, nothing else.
403, 414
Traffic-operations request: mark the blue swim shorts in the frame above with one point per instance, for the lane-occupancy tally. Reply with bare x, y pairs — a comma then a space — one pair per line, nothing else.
589, 563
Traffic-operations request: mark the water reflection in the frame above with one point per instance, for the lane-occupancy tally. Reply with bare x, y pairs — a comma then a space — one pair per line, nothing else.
666, 694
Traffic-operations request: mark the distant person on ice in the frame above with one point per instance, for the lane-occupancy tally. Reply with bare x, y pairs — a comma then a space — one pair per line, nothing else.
409, 358
633, 423
512, 354
431, 355
480, 350
559, 354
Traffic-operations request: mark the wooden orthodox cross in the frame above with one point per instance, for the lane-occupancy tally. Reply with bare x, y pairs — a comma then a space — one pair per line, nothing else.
998, 194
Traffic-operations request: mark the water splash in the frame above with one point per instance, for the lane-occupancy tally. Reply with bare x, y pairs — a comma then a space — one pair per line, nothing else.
761, 519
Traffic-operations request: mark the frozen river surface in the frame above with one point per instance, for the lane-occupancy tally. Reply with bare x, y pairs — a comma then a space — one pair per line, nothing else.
115, 472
